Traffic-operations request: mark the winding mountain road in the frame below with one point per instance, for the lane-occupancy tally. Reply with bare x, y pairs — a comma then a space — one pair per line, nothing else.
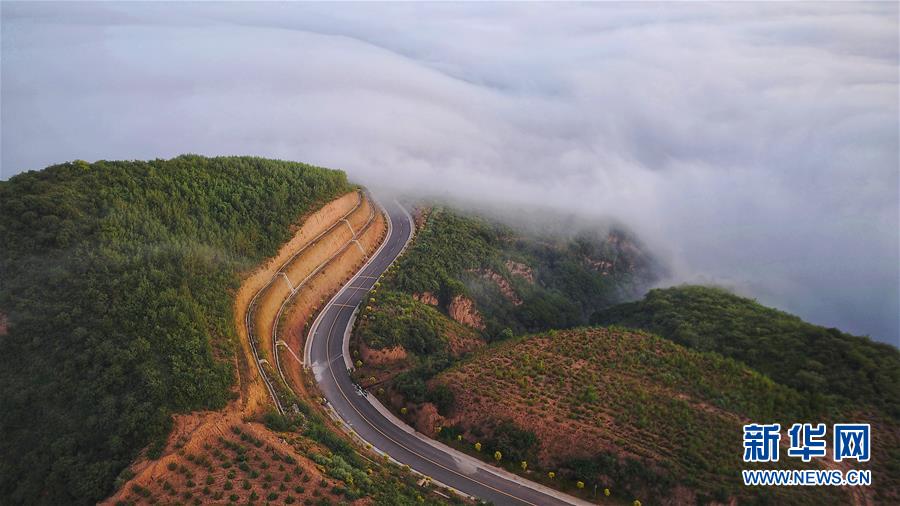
326, 354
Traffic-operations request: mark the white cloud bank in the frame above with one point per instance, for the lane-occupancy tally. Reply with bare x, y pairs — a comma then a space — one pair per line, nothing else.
754, 145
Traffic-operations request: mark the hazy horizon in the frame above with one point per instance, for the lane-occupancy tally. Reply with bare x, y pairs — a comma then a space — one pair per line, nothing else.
752, 145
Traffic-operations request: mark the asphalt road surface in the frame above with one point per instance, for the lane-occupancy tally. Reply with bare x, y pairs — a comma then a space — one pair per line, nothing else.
325, 355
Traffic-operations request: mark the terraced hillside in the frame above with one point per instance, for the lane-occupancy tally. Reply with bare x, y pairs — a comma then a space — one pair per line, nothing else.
127, 286
214, 460
620, 410
279, 312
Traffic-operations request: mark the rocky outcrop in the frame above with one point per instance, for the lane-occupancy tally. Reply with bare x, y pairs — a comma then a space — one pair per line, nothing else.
604, 267
502, 284
628, 256
463, 310
521, 270
426, 298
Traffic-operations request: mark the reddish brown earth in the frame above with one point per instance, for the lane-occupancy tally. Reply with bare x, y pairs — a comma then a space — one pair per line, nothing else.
302, 266
427, 420
4, 329
253, 394
420, 216
426, 298
521, 270
586, 392
463, 310
199, 453
315, 293
201, 463
462, 340
382, 357
502, 284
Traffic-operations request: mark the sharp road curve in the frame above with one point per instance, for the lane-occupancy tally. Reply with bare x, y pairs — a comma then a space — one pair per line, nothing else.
325, 355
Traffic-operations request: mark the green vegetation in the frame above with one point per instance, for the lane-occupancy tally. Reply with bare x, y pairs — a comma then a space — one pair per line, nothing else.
399, 320
571, 278
360, 477
833, 368
619, 409
264, 471
519, 282
448, 246
117, 280
612, 408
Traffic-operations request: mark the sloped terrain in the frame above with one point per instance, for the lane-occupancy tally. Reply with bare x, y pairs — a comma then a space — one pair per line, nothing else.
517, 280
619, 409
841, 377
216, 458
831, 366
466, 281
117, 281
248, 453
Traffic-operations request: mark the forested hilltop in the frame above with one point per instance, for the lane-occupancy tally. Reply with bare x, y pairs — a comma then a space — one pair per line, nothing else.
831, 367
116, 284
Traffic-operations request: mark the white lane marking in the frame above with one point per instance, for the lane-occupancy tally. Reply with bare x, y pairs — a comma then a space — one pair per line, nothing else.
347, 399
389, 438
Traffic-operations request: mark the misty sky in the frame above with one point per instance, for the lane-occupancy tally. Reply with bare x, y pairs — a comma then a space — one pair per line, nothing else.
753, 145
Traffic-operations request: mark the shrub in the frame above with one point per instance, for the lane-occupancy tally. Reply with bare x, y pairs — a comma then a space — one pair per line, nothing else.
442, 397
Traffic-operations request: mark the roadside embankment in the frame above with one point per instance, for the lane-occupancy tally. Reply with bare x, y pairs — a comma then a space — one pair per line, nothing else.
253, 394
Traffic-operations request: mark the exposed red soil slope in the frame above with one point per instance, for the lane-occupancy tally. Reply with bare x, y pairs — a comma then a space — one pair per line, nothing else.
463, 310
217, 458
199, 463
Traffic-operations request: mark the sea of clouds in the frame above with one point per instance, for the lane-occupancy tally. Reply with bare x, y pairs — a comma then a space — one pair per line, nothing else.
753, 145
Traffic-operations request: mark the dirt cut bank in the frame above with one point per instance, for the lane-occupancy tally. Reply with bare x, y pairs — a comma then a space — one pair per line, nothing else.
222, 456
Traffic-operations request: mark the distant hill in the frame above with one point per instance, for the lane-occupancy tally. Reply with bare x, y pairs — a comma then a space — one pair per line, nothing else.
619, 409
116, 287
521, 280
817, 361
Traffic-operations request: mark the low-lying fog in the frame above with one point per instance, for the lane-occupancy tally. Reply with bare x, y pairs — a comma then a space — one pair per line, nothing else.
750, 145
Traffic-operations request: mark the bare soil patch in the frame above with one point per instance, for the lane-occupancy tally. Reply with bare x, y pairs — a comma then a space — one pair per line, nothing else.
309, 300
253, 393
215, 457
463, 310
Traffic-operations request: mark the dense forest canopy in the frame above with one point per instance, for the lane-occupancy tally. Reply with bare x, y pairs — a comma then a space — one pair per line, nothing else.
822, 362
116, 281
